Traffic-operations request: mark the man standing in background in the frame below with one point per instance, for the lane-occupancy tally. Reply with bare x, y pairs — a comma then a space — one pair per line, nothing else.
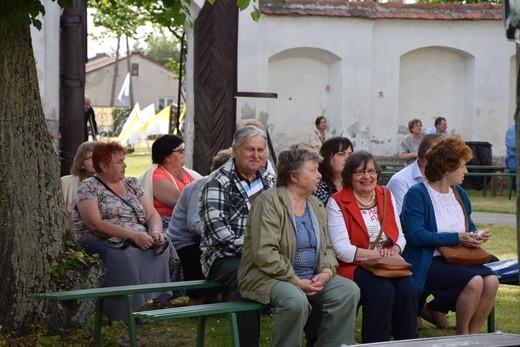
90, 120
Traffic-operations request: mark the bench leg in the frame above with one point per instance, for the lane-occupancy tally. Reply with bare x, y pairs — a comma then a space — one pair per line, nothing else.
235, 341
129, 303
200, 331
98, 320
491, 321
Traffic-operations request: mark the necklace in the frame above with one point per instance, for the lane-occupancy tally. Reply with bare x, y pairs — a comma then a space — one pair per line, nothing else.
370, 202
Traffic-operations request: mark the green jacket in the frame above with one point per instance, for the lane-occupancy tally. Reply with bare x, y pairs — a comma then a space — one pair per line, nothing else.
270, 244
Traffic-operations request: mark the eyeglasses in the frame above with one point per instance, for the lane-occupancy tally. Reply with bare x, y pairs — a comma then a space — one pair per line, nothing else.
180, 150
360, 173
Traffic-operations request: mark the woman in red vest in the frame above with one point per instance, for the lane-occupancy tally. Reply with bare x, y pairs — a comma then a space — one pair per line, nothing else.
355, 215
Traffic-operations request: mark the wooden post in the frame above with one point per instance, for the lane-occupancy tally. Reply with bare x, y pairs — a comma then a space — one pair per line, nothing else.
73, 56
517, 121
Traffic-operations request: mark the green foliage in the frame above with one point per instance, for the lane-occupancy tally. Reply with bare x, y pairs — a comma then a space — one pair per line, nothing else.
119, 115
163, 48
125, 16
119, 17
24, 12
67, 269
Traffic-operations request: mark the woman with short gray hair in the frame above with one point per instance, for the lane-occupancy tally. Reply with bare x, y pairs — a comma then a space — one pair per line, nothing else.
287, 258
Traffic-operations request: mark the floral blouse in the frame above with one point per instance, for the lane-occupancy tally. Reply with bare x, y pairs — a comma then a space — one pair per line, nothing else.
111, 207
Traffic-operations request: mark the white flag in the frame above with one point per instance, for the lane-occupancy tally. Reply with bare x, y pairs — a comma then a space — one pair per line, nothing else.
125, 90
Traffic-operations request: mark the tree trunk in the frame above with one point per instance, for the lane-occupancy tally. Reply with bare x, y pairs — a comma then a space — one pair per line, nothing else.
129, 69
116, 72
32, 214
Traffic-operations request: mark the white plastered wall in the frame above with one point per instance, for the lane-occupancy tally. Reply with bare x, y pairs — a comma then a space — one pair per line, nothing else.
385, 72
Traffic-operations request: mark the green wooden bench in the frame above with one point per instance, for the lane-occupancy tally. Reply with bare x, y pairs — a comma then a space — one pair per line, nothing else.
201, 311
488, 177
125, 293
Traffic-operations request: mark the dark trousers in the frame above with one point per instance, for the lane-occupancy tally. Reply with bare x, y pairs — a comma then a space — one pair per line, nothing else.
389, 306
190, 261
224, 270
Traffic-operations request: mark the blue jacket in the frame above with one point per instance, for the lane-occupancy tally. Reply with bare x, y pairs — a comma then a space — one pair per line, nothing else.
420, 230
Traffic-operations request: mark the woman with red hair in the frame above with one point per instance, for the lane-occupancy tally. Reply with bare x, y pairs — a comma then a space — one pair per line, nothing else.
437, 213
113, 218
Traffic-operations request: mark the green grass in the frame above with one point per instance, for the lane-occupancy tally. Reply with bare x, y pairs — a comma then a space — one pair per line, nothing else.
138, 161
183, 332
499, 203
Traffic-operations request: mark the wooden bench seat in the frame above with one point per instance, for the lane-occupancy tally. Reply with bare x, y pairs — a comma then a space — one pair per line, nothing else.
201, 311
123, 293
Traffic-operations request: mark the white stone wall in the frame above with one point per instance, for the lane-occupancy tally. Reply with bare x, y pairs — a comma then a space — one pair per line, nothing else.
370, 77
47, 55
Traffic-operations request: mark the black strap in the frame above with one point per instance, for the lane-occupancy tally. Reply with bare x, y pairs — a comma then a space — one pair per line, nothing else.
120, 197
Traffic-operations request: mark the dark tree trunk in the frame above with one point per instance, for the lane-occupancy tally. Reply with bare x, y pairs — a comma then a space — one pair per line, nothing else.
32, 213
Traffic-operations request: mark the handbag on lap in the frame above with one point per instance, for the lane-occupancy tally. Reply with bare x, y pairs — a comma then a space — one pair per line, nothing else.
462, 255
386, 266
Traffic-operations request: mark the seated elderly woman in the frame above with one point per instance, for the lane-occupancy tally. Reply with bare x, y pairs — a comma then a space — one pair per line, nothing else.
113, 218
287, 259
410, 143
436, 213
81, 168
355, 217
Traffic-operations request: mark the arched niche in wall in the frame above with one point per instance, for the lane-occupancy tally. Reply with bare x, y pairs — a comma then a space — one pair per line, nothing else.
437, 81
308, 82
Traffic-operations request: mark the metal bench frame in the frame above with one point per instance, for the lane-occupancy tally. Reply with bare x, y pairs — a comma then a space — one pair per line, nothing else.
125, 293
201, 311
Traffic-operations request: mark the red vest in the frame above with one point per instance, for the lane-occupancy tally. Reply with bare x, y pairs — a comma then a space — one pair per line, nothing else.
356, 227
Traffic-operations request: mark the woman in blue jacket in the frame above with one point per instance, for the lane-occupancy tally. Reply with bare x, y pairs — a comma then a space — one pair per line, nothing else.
432, 216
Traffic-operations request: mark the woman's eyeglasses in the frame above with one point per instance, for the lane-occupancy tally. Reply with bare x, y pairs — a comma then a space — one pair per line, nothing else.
180, 150
360, 173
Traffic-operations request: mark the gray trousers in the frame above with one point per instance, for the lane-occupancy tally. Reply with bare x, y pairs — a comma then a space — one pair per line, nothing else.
339, 300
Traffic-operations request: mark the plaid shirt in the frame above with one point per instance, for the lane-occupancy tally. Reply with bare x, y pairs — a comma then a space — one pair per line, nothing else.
223, 208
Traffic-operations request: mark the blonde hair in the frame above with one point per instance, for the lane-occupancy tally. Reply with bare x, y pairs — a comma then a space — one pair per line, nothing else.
76, 169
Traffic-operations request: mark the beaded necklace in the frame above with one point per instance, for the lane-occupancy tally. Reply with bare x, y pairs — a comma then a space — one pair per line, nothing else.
370, 202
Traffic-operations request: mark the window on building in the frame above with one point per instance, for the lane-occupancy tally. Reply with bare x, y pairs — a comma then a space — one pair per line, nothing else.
163, 102
135, 69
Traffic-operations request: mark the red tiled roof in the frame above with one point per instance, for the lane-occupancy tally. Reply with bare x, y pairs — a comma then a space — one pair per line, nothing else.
374, 10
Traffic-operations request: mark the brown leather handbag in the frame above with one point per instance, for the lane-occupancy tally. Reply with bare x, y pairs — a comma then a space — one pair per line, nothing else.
461, 255
386, 266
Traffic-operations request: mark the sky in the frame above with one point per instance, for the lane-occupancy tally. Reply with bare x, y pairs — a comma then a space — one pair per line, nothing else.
108, 45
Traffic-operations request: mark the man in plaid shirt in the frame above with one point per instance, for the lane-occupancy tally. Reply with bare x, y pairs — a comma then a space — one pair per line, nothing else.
224, 205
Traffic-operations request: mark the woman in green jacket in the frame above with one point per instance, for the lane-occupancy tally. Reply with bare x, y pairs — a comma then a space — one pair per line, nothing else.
288, 261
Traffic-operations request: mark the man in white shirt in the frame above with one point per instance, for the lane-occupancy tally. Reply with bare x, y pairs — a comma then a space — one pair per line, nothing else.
440, 126
401, 181
399, 184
